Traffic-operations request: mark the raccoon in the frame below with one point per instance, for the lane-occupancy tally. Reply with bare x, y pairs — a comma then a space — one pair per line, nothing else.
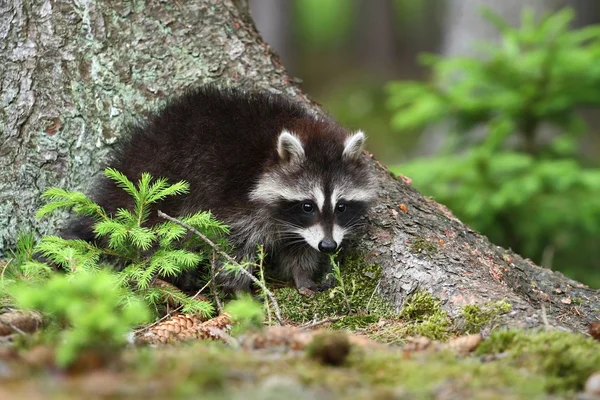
270, 169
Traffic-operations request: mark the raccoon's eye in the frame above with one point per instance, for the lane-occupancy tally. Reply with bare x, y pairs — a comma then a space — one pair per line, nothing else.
308, 207
341, 207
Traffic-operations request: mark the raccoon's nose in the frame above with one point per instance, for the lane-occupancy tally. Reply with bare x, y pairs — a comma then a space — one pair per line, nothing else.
327, 246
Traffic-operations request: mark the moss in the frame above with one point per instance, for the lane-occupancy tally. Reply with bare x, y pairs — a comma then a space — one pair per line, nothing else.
436, 326
419, 305
533, 365
476, 317
361, 282
577, 301
354, 322
427, 375
564, 359
422, 246
425, 316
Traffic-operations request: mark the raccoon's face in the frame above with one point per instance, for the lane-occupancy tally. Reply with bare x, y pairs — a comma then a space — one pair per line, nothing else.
318, 190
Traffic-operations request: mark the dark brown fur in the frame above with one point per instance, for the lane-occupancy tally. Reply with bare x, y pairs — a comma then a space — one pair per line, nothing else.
220, 141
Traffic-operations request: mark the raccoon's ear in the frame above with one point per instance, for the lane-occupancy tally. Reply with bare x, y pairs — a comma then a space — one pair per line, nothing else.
289, 147
354, 145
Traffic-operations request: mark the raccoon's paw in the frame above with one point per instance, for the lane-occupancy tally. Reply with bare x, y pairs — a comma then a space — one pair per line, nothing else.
326, 284
306, 292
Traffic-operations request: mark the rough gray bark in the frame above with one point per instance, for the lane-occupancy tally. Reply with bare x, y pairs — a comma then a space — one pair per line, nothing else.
76, 72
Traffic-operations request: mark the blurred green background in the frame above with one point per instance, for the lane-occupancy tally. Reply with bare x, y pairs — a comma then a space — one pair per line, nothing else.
490, 106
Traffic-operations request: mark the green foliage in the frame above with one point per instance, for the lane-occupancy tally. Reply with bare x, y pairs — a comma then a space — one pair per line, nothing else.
323, 23
477, 316
246, 313
420, 305
425, 316
523, 190
93, 311
565, 360
341, 289
364, 298
423, 246
21, 266
146, 253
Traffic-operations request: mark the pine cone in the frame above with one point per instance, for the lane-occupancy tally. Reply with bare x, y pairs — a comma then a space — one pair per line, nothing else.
182, 327
15, 320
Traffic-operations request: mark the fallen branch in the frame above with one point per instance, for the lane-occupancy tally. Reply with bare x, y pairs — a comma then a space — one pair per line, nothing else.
218, 250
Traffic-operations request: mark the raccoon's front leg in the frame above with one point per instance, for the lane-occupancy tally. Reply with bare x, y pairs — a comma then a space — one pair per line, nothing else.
301, 265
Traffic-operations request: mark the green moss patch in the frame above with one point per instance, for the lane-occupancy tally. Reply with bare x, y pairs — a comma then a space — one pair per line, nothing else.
424, 246
476, 317
564, 359
424, 316
360, 280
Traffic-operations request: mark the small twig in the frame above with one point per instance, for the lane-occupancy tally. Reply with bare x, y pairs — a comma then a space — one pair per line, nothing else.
545, 318
312, 324
231, 260
261, 257
213, 285
373, 294
224, 336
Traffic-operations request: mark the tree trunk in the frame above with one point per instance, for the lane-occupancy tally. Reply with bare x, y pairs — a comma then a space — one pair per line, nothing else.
74, 73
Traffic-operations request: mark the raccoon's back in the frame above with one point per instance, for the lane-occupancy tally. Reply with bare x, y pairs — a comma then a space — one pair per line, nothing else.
218, 140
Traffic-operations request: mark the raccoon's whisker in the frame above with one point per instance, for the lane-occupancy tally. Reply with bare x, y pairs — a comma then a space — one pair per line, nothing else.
295, 244
354, 222
287, 224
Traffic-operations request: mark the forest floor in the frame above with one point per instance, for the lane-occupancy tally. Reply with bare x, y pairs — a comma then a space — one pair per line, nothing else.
345, 343
294, 363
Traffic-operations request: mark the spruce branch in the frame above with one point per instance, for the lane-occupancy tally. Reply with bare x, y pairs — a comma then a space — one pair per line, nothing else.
243, 270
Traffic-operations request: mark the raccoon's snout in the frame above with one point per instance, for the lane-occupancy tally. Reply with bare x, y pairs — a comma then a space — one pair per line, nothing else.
327, 246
